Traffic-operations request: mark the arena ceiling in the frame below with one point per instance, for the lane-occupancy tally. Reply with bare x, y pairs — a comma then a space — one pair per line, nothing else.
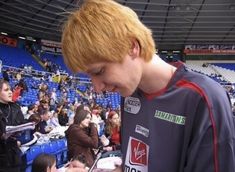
174, 23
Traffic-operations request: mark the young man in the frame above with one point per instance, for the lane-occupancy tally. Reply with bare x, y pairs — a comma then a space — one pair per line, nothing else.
173, 120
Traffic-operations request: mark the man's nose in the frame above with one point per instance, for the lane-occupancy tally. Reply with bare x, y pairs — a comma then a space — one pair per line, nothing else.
98, 84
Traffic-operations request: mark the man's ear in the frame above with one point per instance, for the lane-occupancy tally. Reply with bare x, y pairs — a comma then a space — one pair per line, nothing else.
135, 49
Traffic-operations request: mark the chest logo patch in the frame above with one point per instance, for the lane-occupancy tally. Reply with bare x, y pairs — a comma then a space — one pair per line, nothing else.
142, 130
177, 119
132, 105
137, 155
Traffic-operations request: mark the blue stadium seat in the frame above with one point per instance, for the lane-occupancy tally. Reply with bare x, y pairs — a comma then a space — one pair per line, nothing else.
32, 153
28, 169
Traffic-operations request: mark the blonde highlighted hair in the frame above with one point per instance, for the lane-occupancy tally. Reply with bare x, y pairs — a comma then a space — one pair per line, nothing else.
103, 31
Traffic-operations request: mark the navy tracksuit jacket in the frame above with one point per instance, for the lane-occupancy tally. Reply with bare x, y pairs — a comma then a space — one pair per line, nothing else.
186, 127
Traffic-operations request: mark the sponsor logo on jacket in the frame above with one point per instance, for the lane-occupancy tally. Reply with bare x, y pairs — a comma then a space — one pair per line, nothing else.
137, 155
142, 130
132, 105
177, 119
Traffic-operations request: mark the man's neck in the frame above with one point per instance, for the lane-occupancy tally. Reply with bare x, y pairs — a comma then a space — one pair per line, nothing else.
156, 75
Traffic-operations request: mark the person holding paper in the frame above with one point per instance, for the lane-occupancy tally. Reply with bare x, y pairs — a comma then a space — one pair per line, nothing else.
10, 115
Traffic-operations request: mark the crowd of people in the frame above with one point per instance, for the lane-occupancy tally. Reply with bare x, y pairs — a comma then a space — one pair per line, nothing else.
85, 124
171, 118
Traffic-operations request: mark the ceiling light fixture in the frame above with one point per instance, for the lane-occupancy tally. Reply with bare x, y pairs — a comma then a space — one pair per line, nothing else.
4, 33
21, 37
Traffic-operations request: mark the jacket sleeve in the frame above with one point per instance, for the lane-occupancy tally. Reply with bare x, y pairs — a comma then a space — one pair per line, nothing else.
87, 140
18, 117
2, 126
212, 142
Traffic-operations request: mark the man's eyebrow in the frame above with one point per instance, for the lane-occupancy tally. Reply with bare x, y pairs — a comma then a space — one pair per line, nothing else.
91, 71
88, 72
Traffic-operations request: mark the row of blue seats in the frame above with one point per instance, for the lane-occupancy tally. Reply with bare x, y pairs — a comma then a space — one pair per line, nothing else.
56, 147
16, 57
230, 66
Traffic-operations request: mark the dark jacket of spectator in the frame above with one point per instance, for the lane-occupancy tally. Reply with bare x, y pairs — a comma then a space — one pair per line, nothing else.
82, 140
10, 159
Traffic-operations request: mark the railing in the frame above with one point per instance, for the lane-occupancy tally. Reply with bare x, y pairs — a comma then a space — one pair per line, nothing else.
36, 73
